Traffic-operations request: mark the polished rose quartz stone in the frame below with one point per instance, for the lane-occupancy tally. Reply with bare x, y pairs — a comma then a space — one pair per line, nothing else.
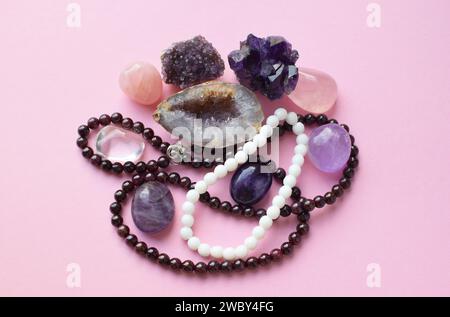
141, 82
316, 91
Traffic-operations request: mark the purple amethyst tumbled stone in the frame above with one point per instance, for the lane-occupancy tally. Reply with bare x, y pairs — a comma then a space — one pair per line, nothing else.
266, 65
249, 184
329, 147
152, 208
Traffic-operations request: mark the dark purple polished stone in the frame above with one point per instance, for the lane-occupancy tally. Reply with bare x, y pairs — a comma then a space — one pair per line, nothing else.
152, 207
249, 184
266, 65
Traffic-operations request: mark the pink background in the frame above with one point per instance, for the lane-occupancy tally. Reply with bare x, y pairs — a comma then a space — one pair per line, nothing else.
393, 92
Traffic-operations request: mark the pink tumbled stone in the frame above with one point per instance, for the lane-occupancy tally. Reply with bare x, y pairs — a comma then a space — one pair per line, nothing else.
316, 91
141, 82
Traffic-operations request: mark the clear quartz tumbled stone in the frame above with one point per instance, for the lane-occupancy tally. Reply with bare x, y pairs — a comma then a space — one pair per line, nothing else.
119, 145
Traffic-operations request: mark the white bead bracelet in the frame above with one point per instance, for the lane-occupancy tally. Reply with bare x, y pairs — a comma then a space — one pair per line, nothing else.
231, 164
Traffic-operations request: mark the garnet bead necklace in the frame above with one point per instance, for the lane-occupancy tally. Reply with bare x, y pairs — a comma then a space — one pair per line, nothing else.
302, 203
127, 124
153, 171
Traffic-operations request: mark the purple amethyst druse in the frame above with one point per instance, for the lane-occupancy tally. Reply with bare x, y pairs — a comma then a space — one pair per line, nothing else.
266, 65
191, 62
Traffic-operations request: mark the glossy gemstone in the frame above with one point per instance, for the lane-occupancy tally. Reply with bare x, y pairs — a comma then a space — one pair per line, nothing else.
153, 207
141, 82
329, 147
250, 184
316, 91
119, 145
266, 65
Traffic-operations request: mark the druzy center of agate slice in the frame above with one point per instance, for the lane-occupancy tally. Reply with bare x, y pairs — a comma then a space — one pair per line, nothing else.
213, 115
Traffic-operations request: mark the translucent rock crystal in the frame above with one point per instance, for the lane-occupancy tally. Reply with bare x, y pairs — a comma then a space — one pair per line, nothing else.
191, 62
119, 145
213, 115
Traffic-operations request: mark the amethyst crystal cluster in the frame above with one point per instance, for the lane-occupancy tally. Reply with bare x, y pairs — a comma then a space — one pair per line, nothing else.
266, 65
191, 62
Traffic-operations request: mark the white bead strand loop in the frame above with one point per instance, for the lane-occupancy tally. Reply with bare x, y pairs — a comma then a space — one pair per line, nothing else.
221, 170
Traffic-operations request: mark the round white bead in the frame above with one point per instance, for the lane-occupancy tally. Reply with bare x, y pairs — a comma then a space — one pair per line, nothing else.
192, 195
290, 181
265, 222
298, 128
186, 233
273, 212
187, 220
250, 147
188, 208
272, 121
201, 187
251, 242
281, 113
258, 232
294, 170
260, 140
220, 171
241, 157
285, 191
241, 251
194, 243
301, 149
210, 178
302, 139
229, 253
217, 251
278, 201
203, 249
231, 164
291, 118
266, 131
298, 159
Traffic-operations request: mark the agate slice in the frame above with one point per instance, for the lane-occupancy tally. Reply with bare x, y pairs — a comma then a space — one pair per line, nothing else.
212, 115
